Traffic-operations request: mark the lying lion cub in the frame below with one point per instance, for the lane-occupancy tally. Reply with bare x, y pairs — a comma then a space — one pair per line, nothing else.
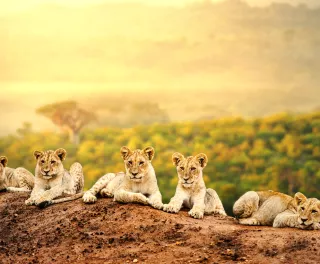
191, 191
14, 180
304, 214
138, 184
52, 180
261, 208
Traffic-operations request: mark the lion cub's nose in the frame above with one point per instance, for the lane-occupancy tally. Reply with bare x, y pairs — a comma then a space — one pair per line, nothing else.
134, 174
304, 219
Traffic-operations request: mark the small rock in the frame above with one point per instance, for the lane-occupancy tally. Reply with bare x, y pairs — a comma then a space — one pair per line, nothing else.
135, 261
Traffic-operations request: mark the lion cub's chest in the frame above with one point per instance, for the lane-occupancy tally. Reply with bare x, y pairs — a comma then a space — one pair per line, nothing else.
140, 188
188, 202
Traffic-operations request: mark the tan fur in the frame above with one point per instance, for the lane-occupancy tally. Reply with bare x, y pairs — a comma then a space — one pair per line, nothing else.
138, 184
304, 214
14, 180
261, 208
191, 191
52, 180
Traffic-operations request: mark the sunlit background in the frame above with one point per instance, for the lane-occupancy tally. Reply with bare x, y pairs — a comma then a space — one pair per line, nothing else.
238, 80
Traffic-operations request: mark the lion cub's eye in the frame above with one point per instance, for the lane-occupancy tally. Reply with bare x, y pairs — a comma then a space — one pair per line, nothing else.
193, 168
314, 211
42, 161
141, 163
130, 162
302, 208
181, 168
53, 161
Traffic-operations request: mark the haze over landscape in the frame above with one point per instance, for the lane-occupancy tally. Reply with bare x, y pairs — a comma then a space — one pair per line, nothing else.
190, 60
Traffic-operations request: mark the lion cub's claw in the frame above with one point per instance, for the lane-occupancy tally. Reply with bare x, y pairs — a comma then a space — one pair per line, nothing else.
156, 204
29, 202
220, 212
105, 193
170, 208
89, 198
196, 214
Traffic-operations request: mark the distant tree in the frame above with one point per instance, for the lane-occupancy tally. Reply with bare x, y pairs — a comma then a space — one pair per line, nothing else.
25, 129
68, 115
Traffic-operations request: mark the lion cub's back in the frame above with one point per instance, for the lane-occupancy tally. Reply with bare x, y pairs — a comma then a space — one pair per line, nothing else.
264, 195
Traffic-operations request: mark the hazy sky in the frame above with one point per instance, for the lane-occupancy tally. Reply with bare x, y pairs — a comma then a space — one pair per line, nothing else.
18, 5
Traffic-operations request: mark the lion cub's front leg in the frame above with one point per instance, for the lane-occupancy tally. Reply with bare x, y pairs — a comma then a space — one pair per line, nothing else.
100, 186
124, 196
176, 202
49, 195
198, 207
35, 195
286, 219
155, 200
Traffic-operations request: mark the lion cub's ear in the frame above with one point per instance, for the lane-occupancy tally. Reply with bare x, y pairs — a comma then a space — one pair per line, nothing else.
125, 152
149, 151
4, 161
176, 158
300, 198
202, 159
61, 153
37, 154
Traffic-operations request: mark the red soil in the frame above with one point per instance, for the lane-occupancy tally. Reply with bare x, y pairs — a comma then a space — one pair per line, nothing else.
109, 232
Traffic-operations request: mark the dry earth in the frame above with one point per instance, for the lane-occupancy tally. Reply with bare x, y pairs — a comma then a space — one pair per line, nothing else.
109, 232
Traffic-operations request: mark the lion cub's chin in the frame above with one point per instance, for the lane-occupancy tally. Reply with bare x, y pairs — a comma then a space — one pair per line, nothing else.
187, 185
136, 180
47, 177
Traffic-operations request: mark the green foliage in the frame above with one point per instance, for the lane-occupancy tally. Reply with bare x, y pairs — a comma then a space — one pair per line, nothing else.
281, 152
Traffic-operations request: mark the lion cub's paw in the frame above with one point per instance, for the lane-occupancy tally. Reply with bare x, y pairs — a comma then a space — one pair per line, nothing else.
140, 198
105, 193
156, 204
89, 198
316, 226
196, 214
220, 212
41, 200
30, 202
170, 208
249, 221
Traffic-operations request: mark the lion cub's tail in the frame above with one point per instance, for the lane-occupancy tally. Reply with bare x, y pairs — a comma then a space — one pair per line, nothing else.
61, 200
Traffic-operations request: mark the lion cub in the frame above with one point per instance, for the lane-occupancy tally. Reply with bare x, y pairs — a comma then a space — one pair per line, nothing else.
261, 208
14, 180
138, 184
191, 191
304, 214
52, 180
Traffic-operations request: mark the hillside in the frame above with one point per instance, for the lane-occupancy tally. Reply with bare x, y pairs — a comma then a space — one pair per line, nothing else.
108, 232
280, 152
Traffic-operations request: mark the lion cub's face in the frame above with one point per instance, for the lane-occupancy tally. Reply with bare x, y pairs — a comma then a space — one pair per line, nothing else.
189, 169
3, 164
137, 162
49, 163
309, 213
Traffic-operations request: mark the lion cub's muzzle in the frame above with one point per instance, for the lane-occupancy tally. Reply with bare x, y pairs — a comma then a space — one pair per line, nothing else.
187, 184
304, 222
135, 176
46, 175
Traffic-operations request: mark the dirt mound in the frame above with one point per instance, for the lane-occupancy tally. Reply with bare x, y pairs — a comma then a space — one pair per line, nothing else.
109, 232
